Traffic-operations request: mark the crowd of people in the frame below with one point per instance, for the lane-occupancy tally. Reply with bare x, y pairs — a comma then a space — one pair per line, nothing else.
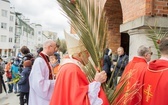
51, 80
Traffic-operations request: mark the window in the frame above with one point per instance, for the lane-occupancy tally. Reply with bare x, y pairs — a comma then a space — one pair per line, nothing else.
4, 13
17, 40
11, 18
3, 38
10, 29
10, 39
3, 25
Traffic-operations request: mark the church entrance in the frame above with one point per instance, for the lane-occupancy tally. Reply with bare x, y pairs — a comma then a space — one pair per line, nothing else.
125, 42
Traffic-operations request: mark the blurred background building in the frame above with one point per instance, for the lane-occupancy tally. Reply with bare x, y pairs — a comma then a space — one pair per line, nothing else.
17, 31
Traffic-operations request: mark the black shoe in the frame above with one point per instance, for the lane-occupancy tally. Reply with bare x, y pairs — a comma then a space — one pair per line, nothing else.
25, 100
18, 94
9, 91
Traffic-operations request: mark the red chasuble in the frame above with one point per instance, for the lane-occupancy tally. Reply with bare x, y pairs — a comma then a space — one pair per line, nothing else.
135, 69
155, 90
71, 87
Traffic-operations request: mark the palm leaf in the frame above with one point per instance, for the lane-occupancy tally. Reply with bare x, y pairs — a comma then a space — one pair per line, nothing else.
88, 19
155, 35
15, 79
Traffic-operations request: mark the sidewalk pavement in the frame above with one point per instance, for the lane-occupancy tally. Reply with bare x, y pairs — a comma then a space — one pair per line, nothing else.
8, 99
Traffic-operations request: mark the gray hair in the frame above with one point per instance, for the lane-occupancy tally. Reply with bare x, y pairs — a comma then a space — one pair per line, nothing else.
163, 46
142, 50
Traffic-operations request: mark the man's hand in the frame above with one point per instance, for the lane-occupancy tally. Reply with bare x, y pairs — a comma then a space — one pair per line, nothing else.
111, 69
114, 63
100, 76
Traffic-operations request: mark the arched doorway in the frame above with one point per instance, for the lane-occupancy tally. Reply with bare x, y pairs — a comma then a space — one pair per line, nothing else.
115, 19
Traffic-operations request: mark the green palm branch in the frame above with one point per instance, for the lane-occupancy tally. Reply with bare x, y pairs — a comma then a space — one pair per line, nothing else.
155, 35
88, 19
15, 79
90, 25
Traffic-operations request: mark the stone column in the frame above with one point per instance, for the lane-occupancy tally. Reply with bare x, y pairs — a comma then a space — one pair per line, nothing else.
138, 31
139, 37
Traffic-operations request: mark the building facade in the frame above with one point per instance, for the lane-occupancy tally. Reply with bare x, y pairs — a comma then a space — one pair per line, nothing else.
17, 31
24, 35
7, 29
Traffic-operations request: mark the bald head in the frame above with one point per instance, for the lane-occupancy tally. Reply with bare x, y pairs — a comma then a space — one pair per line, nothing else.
120, 51
49, 47
48, 43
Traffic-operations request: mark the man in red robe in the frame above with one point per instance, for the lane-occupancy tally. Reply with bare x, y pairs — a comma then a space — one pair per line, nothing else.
155, 88
133, 77
72, 86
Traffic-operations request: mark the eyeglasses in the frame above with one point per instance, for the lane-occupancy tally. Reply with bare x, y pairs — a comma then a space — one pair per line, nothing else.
151, 53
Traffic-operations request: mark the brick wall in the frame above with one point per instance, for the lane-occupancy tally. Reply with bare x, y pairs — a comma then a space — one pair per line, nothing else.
133, 9
160, 8
114, 14
122, 11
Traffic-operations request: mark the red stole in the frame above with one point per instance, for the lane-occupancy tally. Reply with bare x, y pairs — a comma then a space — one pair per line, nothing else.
49, 67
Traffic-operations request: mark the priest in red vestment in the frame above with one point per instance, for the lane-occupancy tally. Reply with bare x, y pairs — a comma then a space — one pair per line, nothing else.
72, 86
155, 88
134, 72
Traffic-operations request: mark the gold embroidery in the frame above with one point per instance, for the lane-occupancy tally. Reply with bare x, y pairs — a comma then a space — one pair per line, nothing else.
126, 94
148, 93
130, 73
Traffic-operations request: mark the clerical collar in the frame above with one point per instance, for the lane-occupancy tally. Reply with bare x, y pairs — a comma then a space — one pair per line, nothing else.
46, 56
164, 58
141, 57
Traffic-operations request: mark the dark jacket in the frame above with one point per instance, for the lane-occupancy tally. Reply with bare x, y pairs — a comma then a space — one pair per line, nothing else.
107, 64
1, 83
107, 61
122, 61
24, 81
1, 77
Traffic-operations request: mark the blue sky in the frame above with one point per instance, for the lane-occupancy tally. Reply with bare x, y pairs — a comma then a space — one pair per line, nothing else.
44, 12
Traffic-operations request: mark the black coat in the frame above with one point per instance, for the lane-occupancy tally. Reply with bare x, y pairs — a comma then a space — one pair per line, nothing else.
24, 81
107, 64
1, 77
0, 83
122, 61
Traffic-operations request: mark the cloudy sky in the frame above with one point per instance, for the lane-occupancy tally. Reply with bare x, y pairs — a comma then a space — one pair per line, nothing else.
44, 12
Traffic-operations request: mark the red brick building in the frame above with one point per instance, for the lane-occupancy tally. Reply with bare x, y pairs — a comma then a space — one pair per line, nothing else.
129, 19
